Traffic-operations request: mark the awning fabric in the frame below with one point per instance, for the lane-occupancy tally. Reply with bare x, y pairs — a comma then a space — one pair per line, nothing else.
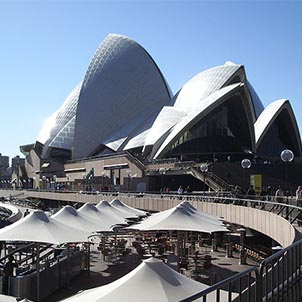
183, 217
73, 218
106, 207
125, 208
151, 281
38, 227
106, 221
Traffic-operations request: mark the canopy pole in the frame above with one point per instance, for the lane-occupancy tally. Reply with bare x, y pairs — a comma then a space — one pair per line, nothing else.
38, 270
68, 266
88, 260
178, 250
115, 245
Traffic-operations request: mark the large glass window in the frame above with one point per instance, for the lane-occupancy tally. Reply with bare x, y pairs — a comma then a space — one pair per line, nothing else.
224, 130
280, 135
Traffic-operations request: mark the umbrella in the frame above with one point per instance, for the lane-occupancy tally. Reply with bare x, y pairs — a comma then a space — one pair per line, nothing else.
125, 208
151, 281
181, 218
38, 227
105, 219
72, 217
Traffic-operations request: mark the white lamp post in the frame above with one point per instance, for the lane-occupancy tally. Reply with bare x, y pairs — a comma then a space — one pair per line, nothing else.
246, 164
103, 175
162, 171
204, 169
44, 181
287, 156
54, 177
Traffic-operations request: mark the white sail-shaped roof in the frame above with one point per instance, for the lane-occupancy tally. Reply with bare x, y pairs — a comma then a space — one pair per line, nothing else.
197, 113
167, 118
203, 85
151, 281
121, 88
269, 114
57, 131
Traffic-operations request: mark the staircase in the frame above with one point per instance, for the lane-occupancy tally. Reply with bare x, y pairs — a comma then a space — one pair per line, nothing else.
211, 180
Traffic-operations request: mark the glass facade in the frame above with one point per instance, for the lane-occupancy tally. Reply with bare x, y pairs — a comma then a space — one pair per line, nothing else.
224, 130
279, 136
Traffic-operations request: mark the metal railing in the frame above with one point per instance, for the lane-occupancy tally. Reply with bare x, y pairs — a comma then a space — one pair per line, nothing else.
239, 287
278, 278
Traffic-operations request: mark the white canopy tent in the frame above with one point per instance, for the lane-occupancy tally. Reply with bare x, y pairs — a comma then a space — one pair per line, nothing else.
181, 218
105, 219
105, 206
72, 217
151, 281
125, 208
38, 227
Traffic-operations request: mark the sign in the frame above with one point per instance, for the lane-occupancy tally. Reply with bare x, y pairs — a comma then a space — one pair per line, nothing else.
256, 181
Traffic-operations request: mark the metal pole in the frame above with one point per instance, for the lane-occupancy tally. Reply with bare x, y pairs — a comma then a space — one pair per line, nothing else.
68, 267
38, 270
88, 258
286, 190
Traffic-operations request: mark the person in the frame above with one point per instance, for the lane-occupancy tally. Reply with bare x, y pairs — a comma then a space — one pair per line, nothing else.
250, 192
188, 190
1, 248
268, 193
299, 196
263, 193
26, 213
180, 190
8, 270
279, 195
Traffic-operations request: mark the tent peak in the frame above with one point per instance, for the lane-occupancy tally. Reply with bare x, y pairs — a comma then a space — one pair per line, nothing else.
38, 214
103, 203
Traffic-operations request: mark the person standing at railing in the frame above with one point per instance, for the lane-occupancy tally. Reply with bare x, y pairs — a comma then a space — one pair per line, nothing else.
279, 195
8, 270
299, 196
250, 192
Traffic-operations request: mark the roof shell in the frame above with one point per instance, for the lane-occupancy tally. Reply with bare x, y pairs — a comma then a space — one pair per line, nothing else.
196, 114
269, 115
122, 86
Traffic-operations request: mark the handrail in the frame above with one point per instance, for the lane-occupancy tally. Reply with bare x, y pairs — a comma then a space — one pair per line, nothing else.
219, 285
266, 269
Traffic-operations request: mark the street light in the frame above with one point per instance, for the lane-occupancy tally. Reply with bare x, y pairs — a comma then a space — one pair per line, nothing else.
162, 171
287, 156
204, 169
44, 181
246, 164
68, 178
129, 179
84, 180
54, 177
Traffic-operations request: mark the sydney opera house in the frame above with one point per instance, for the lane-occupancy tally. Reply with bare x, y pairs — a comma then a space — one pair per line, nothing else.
122, 121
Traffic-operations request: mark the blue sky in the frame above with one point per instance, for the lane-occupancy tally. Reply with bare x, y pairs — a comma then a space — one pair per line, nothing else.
46, 47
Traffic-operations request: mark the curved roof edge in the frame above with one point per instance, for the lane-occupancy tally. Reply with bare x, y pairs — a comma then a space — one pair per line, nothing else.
206, 106
269, 115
